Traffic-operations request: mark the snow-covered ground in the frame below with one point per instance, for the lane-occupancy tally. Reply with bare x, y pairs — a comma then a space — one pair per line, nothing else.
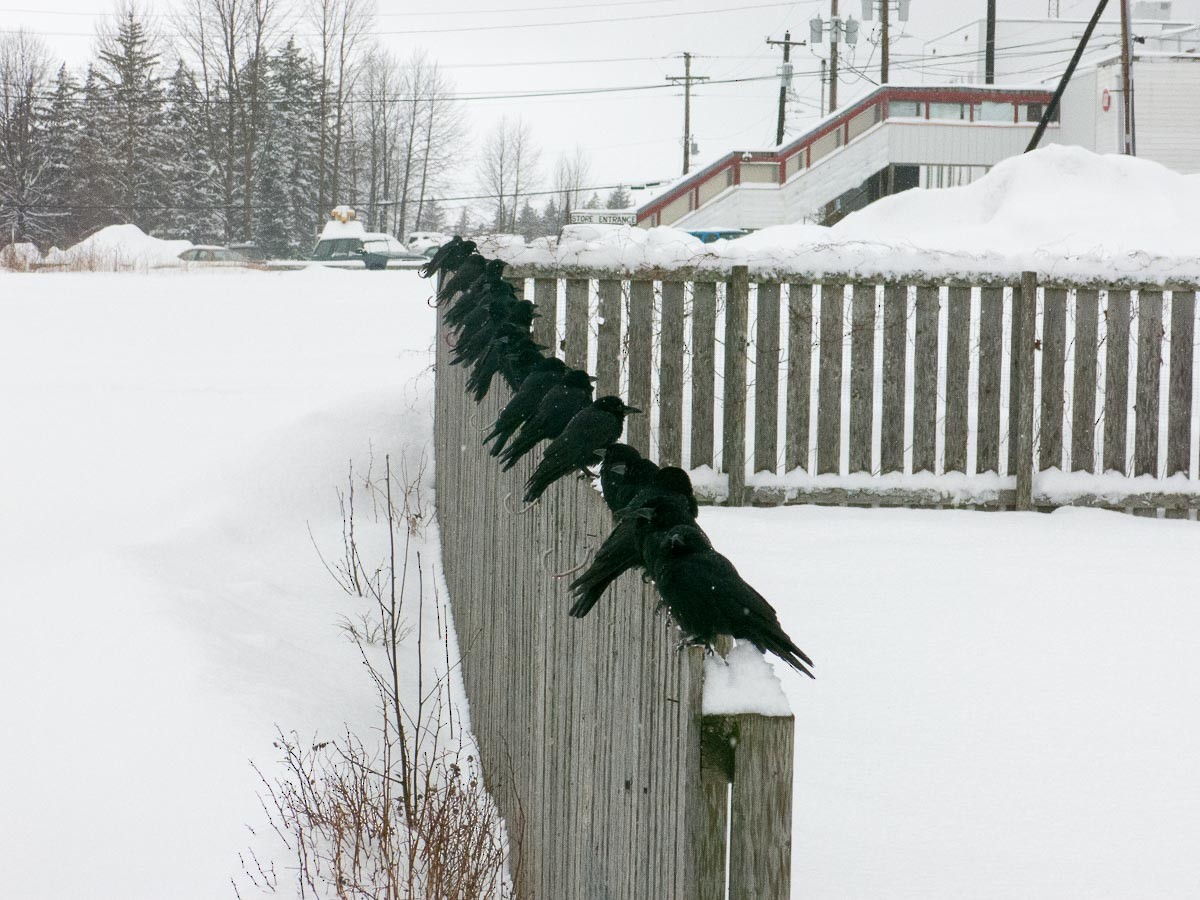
1005, 703
169, 440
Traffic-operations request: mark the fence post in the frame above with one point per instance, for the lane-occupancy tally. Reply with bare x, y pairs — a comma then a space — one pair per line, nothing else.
1025, 319
733, 440
753, 754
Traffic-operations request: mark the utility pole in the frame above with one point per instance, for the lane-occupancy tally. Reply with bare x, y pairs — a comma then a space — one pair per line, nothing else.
989, 64
785, 81
1128, 146
823, 76
884, 10
687, 78
1052, 106
833, 56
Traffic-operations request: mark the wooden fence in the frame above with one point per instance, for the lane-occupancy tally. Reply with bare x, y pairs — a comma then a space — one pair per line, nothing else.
591, 735
842, 389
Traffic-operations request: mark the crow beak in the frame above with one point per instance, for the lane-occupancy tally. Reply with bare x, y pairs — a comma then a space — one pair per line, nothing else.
619, 468
631, 409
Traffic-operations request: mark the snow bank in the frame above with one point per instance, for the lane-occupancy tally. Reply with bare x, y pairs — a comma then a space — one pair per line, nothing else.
119, 247
19, 256
1064, 212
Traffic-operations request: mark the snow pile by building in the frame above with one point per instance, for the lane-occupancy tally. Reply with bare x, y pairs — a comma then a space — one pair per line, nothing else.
118, 248
1062, 211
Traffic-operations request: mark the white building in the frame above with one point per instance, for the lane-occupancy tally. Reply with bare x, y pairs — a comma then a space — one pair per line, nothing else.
938, 135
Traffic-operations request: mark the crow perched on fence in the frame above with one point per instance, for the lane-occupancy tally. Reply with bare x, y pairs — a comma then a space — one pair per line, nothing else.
449, 256
556, 409
502, 317
544, 375
657, 506
486, 286
464, 276
707, 597
589, 431
622, 472
503, 355
517, 364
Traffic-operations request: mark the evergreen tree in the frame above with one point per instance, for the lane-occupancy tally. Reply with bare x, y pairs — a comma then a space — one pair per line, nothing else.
593, 202
287, 182
552, 219
463, 227
60, 149
529, 223
619, 199
91, 182
191, 187
132, 111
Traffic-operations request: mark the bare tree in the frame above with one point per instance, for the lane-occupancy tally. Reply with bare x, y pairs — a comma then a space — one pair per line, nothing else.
508, 166
24, 74
231, 40
342, 35
571, 174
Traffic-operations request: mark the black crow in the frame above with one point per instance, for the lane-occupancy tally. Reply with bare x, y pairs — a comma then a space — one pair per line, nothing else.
464, 299
557, 408
622, 472
516, 365
449, 256
589, 431
524, 403
707, 597
496, 357
464, 276
656, 508
499, 318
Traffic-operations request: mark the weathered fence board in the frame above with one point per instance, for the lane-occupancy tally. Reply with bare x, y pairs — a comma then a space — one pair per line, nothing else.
1116, 380
733, 431
545, 327
991, 355
1024, 330
925, 372
608, 339
1083, 403
862, 376
799, 375
958, 370
670, 416
766, 379
1179, 391
895, 358
575, 343
1054, 356
829, 399
703, 372
641, 362
1149, 369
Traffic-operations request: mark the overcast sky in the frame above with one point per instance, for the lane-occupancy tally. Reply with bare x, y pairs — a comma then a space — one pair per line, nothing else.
505, 46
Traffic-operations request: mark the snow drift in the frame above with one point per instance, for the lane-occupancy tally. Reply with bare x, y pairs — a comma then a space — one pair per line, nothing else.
116, 248
1061, 211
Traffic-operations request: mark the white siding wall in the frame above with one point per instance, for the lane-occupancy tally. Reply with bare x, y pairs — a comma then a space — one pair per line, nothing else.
960, 144
1167, 103
1079, 110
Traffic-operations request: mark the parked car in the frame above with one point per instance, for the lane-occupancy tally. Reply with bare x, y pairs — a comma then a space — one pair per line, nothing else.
374, 249
250, 250
211, 256
425, 243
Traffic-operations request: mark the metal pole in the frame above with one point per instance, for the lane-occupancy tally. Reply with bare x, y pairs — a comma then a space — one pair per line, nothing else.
1062, 85
989, 64
824, 75
833, 56
884, 8
1127, 80
687, 111
787, 55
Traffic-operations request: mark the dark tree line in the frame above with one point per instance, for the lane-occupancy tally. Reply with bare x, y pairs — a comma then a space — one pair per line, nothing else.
239, 136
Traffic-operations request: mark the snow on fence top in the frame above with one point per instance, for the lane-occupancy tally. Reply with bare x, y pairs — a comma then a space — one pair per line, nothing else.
1064, 212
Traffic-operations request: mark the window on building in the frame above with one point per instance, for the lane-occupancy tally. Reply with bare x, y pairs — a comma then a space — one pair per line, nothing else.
947, 111
993, 112
1033, 112
906, 109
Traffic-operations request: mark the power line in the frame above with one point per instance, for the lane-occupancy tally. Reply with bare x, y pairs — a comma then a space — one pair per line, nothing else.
407, 14
504, 26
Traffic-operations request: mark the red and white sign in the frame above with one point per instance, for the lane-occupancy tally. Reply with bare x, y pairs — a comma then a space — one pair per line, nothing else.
1106, 100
